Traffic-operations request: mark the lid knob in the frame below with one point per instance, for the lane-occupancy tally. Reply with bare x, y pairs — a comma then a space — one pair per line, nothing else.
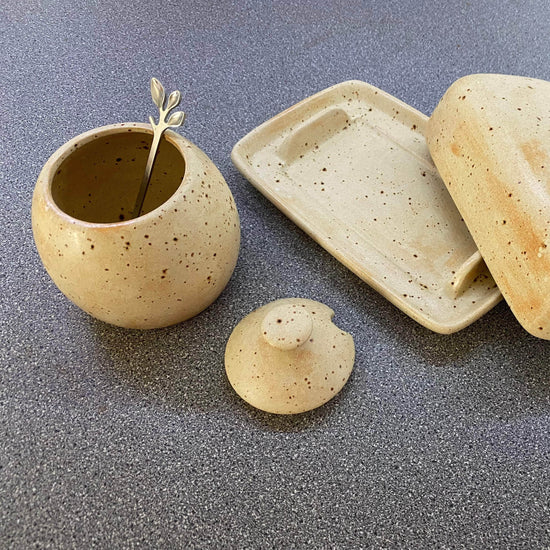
287, 327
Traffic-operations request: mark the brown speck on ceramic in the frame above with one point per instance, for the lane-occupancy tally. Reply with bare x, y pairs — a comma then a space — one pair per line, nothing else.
274, 365
64, 218
503, 151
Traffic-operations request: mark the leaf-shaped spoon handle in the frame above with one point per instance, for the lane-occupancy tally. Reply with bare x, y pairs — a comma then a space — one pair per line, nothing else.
176, 119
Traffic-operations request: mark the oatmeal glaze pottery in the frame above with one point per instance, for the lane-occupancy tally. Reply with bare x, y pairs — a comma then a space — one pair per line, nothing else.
151, 271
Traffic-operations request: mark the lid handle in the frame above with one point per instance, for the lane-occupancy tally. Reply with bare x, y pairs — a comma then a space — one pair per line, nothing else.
287, 327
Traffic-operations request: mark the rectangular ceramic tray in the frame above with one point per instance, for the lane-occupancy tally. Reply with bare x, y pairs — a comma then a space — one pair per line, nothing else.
351, 167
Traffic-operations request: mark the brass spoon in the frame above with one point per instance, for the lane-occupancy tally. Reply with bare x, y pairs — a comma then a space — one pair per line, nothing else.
176, 120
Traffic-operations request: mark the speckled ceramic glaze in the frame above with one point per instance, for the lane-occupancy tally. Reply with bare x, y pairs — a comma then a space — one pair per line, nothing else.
152, 271
490, 139
350, 166
287, 357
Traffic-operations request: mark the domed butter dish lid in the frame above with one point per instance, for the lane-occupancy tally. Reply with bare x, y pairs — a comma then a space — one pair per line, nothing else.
287, 357
351, 167
490, 140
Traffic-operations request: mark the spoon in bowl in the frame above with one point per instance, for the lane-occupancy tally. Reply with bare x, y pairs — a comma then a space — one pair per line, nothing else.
175, 120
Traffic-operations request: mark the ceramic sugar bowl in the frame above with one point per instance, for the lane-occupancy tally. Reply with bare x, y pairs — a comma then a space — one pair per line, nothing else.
150, 271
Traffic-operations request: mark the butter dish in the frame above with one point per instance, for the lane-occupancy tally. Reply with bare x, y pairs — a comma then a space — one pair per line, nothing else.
351, 167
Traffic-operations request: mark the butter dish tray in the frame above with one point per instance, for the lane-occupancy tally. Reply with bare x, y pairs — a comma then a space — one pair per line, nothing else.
351, 167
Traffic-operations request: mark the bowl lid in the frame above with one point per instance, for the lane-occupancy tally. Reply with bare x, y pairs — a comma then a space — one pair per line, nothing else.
288, 357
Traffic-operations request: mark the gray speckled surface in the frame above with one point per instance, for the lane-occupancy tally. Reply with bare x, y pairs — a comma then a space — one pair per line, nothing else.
115, 438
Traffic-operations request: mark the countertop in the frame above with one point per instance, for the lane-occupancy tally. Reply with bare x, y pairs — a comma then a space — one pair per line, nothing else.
114, 438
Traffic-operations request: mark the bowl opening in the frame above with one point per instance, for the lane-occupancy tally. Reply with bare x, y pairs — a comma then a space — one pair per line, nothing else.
99, 181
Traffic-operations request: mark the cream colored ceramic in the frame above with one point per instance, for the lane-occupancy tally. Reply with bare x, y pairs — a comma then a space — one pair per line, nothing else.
288, 357
152, 271
490, 139
351, 167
